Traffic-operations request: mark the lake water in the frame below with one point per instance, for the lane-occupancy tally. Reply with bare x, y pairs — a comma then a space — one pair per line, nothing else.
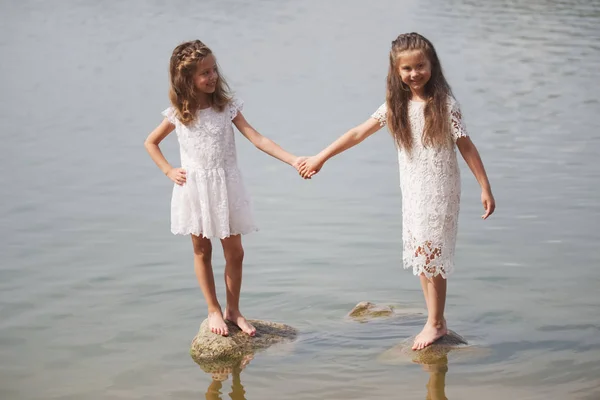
99, 301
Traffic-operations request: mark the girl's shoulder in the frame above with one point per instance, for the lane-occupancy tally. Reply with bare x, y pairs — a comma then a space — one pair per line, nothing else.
171, 115
381, 114
234, 106
453, 104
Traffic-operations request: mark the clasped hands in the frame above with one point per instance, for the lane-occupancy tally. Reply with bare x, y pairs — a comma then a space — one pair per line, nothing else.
307, 167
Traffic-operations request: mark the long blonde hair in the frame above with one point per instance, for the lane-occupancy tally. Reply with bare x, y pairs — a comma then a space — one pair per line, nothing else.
436, 132
182, 91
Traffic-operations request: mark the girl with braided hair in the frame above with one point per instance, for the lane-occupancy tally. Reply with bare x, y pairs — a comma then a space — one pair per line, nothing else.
426, 123
209, 198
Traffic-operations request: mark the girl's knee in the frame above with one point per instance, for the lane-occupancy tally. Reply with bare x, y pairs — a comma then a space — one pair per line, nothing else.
234, 255
233, 249
202, 247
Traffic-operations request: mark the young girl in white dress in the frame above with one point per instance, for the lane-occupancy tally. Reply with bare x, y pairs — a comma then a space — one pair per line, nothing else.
209, 198
426, 123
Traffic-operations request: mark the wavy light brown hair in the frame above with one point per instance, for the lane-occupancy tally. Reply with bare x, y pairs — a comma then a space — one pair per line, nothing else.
436, 132
182, 92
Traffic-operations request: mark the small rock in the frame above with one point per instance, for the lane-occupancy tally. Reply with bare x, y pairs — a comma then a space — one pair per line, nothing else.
365, 311
215, 352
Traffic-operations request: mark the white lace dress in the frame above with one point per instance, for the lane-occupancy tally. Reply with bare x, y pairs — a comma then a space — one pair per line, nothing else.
430, 185
213, 202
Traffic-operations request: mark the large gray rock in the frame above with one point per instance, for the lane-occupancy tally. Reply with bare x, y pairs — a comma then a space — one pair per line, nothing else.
366, 311
434, 354
215, 352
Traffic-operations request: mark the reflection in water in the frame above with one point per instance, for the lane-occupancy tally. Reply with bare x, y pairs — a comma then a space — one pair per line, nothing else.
436, 386
237, 389
433, 359
213, 392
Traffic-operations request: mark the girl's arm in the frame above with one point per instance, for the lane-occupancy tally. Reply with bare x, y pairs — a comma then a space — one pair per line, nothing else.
349, 139
471, 155
151, 143
264, 143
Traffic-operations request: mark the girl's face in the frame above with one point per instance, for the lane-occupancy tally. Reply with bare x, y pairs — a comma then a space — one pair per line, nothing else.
206, 75
415, 70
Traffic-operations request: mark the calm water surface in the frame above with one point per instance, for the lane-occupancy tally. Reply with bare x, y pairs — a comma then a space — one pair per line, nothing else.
98, 300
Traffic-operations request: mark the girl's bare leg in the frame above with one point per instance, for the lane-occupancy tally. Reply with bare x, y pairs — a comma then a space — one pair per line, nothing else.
434, 290
424, 285
206, 280
234, 258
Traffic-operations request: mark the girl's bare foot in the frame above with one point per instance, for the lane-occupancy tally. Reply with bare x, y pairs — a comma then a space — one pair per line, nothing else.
217, 324
430, 333
237, 318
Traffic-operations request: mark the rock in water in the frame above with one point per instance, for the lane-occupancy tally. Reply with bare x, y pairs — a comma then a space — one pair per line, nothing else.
215, 352
365, 311
435, 353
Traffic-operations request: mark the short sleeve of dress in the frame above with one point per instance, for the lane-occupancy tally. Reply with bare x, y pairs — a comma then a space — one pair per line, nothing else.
381, 114
169, 114
456, 121
235, 105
